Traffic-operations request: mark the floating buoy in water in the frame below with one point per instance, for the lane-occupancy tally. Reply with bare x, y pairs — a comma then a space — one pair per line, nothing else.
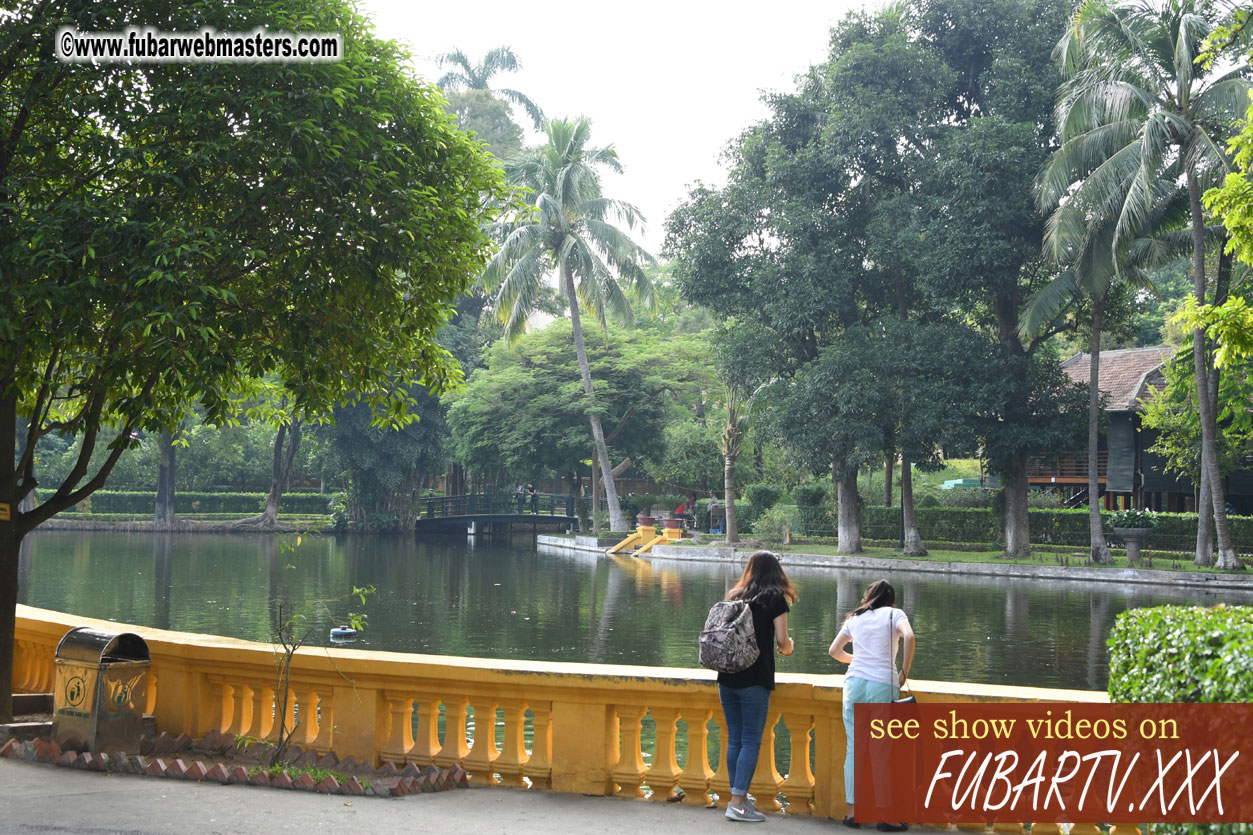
343, 633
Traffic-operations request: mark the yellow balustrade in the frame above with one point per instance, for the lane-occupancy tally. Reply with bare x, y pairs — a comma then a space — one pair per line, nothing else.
586, 720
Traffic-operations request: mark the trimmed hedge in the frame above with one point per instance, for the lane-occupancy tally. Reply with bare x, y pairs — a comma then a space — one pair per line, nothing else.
1174, 531
141, 502
1184, 654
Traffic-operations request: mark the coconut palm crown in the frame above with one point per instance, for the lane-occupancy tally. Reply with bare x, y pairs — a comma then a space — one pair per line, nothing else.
471, 76
569, 232
1138, 118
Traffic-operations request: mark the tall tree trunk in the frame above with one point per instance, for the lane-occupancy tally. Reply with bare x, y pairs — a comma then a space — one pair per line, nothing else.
1096, 534
616, 520
595, 495
847, 510
728, 493
164, 512
1014, 497
888, 466
1204, 525
1226, 557
914, 546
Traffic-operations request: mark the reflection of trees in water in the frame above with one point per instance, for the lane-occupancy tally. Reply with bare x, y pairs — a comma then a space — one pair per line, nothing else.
162, 581
1100, 621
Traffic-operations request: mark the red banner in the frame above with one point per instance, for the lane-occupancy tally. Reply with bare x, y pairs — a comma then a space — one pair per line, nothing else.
1054, 762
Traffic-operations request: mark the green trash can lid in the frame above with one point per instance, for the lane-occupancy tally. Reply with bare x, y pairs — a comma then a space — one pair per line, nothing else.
82, 643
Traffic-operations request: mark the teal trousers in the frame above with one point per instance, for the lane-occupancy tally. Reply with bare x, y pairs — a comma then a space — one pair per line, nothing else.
858, 690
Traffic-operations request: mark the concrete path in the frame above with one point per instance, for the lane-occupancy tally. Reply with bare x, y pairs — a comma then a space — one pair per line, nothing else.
44, 799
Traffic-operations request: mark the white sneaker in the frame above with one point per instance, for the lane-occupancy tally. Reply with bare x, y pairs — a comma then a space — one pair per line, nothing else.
745, 814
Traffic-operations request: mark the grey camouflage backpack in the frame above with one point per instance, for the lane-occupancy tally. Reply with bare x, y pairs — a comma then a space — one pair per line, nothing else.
728, 643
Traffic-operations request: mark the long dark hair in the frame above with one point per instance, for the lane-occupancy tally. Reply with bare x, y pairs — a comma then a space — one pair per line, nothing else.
879, 593
763, 573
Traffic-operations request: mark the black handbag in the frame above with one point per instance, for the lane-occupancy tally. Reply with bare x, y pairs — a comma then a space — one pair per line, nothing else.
904, 700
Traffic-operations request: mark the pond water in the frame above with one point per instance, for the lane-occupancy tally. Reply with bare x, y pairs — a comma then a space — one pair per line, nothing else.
456, 596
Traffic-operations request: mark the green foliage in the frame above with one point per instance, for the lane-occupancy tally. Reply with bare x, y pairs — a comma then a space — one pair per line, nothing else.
1132, 519
172, 233
763, 496
689, 456
489, 118
776, 522
811, 494
1173, 412
142, 502
533, 389
1170, 654
467, 75
1182, 654
966, 497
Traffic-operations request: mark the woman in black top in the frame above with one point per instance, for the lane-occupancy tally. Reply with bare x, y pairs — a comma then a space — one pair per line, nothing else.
745, 695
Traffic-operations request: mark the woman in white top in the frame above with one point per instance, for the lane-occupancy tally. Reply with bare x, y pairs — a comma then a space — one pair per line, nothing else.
874, 628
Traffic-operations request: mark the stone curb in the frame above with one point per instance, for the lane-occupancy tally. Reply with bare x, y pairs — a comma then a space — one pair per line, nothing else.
1083, 574
385, 781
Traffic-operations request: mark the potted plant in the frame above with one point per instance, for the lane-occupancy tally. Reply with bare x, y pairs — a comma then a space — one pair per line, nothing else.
1134, 526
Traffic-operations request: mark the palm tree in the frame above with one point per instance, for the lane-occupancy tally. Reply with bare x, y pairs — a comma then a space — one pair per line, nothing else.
1083, 241
471, 76
1134, 109
568, 232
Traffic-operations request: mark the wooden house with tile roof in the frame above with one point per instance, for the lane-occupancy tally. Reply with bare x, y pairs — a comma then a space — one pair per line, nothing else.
1128, 473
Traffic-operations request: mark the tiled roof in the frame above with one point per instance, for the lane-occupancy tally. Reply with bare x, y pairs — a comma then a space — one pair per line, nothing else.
1124, 373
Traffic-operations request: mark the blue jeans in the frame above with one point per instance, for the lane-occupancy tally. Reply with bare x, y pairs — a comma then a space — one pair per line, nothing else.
859, 690
745, 709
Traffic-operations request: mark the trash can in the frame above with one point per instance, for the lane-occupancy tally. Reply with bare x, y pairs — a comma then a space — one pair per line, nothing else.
101, 691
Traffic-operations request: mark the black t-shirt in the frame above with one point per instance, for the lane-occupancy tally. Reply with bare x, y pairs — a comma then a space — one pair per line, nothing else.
768, 606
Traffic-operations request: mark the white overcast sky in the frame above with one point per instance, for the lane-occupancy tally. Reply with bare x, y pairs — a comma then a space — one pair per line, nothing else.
666, 83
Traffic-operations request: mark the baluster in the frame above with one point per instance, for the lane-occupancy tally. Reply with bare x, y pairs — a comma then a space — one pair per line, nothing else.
766, 779
262, 709
513, 754
48, 670
540, 766
289, 711
1036, 828
628, 773
720, 783
235, 702
1017, 829
307, 732
696, 774
426, 740
223, 708
22, 666
400, 736
1124, 829
1084, 829
326, 722
454, 749
478, 764
799, 785
663, 774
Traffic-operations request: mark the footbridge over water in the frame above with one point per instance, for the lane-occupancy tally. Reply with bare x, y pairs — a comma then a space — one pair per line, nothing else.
497, 512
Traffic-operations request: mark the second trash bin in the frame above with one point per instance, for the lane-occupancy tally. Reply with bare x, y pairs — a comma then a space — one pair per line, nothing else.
101, 691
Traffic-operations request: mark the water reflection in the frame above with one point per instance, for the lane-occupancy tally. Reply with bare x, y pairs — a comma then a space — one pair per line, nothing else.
451, 596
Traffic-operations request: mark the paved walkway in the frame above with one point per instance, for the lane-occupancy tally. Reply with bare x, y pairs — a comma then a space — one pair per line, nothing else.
41, 798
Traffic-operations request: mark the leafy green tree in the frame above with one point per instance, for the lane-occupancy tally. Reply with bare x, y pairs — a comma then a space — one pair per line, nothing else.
169, 231
524, 414
1138, 110
1172, 411
471, 76
569, 231
489, 118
